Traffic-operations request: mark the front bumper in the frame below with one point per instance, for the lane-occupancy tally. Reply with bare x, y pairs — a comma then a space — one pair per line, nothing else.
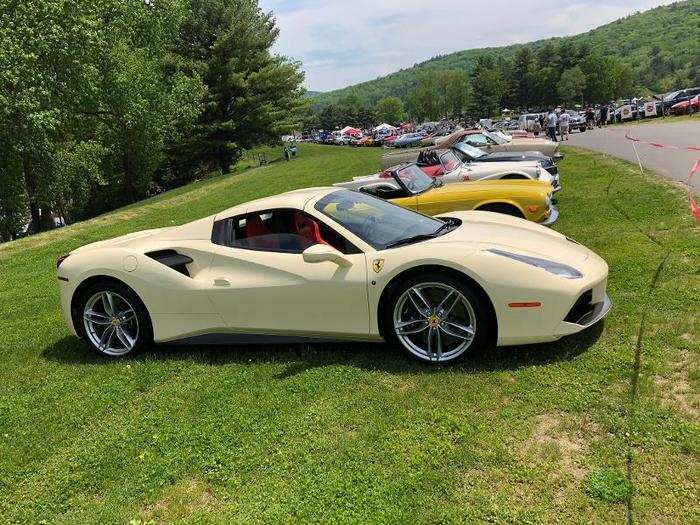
556, 184
553, 216
599, 310
557, 157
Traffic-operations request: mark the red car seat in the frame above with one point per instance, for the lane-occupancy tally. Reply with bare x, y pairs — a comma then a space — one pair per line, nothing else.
433, 171
308, 228
258, 235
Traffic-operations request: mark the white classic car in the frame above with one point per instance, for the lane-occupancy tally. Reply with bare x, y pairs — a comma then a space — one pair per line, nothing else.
445, 165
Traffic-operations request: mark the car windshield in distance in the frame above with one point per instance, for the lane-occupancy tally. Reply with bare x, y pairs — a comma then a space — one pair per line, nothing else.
671, 96
471, 151
414, 179
377, 222
498, 138
449, 161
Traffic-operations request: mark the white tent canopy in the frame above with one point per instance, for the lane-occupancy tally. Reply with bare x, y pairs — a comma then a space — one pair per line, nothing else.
384, 127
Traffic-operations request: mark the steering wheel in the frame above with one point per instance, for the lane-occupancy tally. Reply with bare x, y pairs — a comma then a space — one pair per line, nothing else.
369, 223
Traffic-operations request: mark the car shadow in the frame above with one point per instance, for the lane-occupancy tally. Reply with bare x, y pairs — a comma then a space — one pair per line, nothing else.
302, 357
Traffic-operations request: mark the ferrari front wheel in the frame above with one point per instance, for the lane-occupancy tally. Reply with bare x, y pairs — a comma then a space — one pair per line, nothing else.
438, 319
114, 320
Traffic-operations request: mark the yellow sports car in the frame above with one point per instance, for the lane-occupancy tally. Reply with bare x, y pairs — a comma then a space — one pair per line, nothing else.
411, 187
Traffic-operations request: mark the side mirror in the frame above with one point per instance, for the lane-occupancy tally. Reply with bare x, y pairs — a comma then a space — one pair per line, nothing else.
324, 253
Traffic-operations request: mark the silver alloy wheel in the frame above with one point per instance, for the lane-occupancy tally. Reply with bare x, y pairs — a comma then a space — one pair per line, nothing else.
434, 321
110, 323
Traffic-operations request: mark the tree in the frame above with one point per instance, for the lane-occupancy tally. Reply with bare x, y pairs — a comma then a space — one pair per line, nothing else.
487, 89
524, 74
571, 86
423, 101
454, 87
86, 101
390, 110
252, 95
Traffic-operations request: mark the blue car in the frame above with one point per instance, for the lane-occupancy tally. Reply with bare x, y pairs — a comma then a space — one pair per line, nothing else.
409, 140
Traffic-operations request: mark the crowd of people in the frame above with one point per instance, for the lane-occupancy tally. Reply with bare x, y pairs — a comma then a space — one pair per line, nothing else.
557, 121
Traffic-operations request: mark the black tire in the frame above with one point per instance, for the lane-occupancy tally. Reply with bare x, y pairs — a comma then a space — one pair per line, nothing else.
484, 322
506, 209
126, 297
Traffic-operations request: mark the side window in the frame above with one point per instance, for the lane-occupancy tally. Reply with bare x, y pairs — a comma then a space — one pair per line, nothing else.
281, 230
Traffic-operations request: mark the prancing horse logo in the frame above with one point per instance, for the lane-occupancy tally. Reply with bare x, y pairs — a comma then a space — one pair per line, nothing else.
377, 265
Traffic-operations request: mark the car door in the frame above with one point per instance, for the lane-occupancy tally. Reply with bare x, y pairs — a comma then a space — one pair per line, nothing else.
266, 287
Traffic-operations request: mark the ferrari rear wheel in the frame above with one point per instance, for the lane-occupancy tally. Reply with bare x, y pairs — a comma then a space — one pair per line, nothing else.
438, 319
114, 320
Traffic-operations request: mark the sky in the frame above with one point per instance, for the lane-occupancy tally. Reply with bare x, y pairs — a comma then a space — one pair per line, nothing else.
343, 42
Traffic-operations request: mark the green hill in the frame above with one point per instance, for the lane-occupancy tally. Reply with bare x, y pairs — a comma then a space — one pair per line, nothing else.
662, 47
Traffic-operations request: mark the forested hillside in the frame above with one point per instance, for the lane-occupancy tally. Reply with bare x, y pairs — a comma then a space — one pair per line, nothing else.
660, 48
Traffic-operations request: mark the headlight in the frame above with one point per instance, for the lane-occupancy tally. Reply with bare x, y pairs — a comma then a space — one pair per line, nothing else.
555, 268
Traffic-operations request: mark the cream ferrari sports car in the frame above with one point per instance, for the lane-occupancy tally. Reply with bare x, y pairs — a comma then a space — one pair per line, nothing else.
334, 264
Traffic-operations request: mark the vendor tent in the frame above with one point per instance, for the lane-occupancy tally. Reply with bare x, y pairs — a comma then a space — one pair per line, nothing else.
349, 130
384, 128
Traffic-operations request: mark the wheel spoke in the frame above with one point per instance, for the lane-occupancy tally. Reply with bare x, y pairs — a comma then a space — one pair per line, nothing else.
107, 337
457, 330
431, 332
96, 317
438, 336
417, 326
445, 311
108, 302
126, 315
124, 338
421, 303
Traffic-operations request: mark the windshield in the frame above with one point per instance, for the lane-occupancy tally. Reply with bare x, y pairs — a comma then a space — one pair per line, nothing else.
671, 96
469, 150
414, 179
496, 137
449, 161
377, 222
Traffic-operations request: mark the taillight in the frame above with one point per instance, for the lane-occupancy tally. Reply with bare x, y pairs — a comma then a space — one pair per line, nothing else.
60, 260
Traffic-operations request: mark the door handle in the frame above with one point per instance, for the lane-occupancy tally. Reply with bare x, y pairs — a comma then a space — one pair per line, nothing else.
222, 282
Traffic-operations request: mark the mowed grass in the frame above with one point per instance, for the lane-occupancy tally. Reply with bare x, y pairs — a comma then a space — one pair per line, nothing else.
354, 432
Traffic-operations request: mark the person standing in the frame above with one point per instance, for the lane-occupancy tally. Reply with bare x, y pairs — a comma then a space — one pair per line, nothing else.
552, 122
590, 117
603, 115
564, 120
537, 127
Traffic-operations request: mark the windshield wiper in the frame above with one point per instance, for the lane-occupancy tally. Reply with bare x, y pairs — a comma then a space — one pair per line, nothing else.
420, 237
447, 224
410, 240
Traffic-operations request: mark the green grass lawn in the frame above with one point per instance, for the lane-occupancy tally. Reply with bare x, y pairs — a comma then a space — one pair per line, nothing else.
354, 432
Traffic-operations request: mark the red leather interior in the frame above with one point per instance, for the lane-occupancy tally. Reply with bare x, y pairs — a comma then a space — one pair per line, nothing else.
308, 228
255, 230
433, 171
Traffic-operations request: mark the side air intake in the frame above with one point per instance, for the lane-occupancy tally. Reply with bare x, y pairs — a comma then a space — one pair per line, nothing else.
172, 259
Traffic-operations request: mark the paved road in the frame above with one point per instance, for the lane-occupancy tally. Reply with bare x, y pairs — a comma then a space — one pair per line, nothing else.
672, 164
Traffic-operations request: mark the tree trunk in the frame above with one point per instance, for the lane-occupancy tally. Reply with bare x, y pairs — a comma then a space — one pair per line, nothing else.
30, 186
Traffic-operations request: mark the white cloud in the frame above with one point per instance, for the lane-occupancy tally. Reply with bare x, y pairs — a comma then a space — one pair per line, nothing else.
342, 42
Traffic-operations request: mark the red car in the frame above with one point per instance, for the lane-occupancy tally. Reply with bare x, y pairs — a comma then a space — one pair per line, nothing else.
687, 106
389, 141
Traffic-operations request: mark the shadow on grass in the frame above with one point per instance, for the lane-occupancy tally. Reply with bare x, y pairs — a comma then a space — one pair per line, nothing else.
302, 357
